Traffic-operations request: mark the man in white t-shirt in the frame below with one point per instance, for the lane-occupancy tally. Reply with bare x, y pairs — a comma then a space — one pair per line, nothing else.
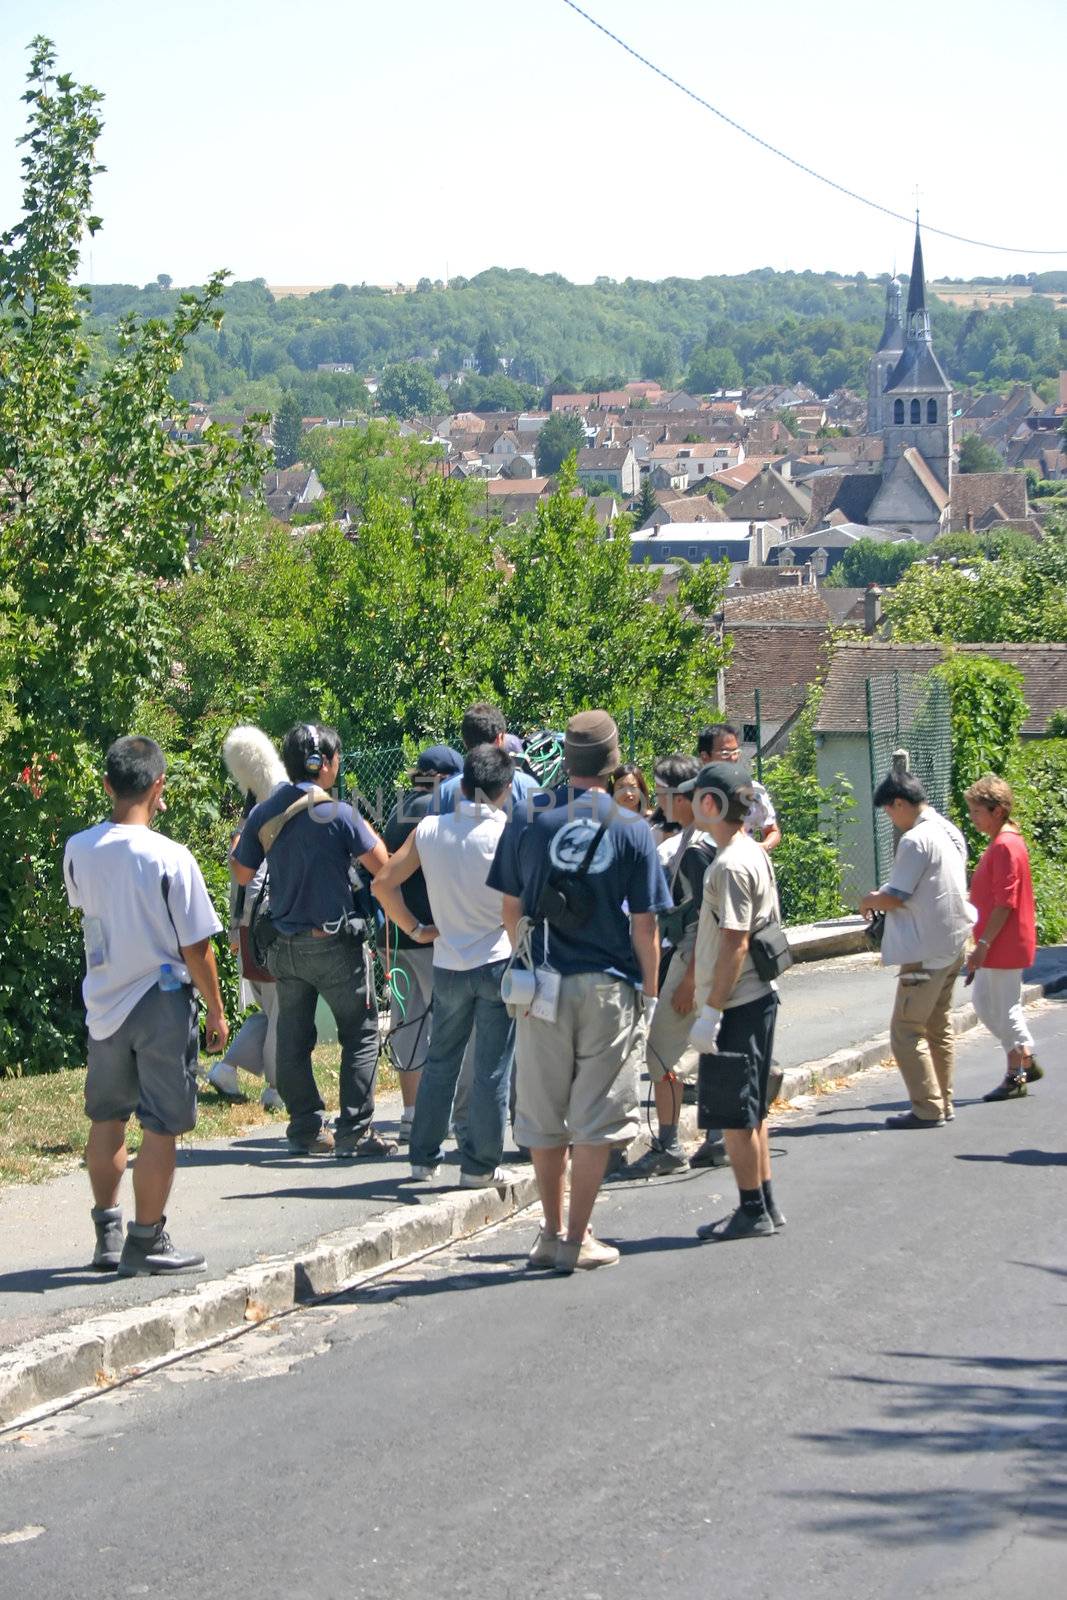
739, 1007
928, 921
147, 923
722, 742
470, 951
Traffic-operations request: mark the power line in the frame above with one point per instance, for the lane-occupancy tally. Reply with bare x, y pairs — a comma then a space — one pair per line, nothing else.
898, 216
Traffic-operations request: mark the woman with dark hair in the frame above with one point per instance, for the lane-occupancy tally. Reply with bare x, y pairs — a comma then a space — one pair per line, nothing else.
628, 788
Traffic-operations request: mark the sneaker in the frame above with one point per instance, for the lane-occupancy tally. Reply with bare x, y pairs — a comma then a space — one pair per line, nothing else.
1013, 1087
658, 1162
109, 1237
371, 1143
584, 1254
320, 1145
712, 1153
950, 1113
908, 1119
774, 1211
226, 1084
742, 1225
543, 1254
420, 1174
148, 1251
487, 1180
1034, 1073
271, 1100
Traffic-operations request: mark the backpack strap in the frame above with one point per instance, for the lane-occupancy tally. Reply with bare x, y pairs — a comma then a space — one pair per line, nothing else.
270, 830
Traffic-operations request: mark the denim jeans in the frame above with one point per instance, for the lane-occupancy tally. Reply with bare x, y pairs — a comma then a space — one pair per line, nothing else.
463, 1001
306, 967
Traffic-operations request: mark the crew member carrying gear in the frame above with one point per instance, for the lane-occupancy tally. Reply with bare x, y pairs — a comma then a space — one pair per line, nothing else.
317, 944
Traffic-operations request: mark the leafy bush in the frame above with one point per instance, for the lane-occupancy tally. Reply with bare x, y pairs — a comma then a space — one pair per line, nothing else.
1037, 773
807, 862
988, 709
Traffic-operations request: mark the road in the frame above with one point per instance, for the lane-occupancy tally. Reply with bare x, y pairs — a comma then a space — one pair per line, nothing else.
873, 1402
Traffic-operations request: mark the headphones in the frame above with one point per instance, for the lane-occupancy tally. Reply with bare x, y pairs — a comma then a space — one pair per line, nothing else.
314, 760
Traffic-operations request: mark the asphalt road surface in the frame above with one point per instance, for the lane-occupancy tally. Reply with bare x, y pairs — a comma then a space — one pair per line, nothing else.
873, 1402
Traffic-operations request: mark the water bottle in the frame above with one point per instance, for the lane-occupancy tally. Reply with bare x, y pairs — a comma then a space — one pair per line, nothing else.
169, 980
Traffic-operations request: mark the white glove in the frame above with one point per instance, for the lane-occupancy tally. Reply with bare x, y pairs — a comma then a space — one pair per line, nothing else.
648, 1009
705, 1030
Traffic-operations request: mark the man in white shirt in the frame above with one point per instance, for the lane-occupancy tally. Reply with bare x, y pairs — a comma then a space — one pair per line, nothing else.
470, 952
928, 920
722, 742
147, 924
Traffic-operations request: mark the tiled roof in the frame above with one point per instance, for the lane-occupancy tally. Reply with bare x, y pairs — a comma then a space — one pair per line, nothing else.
974, 492
844, 703
517, 488
780, 659
850, 492
611, 458
927, 477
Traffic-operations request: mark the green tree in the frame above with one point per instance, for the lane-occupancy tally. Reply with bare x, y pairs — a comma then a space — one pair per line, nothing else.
988, 709
562, 433
100, 512
409, 389
164, 280
868, 561
646, 503
711, 369
987, 602
288, 431
485, 354
355, 464
976, 456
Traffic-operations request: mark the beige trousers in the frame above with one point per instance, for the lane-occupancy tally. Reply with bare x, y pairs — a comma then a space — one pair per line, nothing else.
923, 1038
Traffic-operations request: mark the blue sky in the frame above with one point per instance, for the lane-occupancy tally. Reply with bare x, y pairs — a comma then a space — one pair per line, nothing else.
348, 141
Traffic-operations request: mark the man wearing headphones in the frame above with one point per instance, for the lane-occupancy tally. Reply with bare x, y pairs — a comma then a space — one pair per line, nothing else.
319, 946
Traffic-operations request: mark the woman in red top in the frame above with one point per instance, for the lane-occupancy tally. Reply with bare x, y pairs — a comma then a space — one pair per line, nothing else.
1005, 934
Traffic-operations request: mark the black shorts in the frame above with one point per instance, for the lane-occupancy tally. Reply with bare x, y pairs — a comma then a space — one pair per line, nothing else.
748, 1031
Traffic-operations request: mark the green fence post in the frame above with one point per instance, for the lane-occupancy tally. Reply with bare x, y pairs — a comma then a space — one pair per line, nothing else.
874, 782
759, 738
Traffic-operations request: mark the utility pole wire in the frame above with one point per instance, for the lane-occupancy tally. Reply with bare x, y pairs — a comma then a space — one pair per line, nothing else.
898, 216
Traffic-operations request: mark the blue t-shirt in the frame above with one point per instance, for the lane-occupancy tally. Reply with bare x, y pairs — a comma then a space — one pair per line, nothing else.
450, 793
624, 872
309, 860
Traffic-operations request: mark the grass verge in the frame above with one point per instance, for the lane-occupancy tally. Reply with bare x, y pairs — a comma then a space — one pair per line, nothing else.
43, 1127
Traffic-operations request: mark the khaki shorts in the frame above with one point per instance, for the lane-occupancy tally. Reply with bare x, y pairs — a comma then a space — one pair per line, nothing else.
577, 1077
669, 1049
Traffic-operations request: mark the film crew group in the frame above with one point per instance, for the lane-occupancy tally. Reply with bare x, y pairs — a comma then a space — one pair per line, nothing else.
318, 945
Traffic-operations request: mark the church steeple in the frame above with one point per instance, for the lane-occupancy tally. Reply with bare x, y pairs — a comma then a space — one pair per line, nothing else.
918, 316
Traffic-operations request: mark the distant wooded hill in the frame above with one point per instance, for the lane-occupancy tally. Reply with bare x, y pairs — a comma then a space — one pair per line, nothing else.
761, 327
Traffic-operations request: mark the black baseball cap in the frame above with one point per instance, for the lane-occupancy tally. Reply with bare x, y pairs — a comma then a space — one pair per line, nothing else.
437, 761
731, 782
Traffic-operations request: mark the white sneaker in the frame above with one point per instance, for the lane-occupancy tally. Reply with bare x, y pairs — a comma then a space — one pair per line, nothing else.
223, 1078
420, 1174
271, 1100
488, 1180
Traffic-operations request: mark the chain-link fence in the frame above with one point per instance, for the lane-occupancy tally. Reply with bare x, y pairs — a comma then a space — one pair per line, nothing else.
907, 712
371, 778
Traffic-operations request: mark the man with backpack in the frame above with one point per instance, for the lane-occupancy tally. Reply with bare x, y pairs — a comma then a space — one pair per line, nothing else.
318, 943
582, 886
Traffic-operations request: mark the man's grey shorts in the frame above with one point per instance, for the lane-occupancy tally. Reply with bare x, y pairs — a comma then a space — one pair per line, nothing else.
147, 1066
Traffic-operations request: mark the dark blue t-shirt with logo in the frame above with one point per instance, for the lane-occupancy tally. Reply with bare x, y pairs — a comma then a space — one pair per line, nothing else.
623, 875
309, 860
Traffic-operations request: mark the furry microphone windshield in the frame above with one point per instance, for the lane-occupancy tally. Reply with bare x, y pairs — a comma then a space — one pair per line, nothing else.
252, 761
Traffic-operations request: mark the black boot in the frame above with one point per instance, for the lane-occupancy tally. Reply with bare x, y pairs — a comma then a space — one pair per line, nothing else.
148, 1250
107, 1220
1013, 1087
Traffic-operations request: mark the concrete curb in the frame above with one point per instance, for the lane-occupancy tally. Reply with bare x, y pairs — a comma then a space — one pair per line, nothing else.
94, 1352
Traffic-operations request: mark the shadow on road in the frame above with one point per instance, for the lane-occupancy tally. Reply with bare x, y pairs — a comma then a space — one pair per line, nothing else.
1014, 1408
1024, 1158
